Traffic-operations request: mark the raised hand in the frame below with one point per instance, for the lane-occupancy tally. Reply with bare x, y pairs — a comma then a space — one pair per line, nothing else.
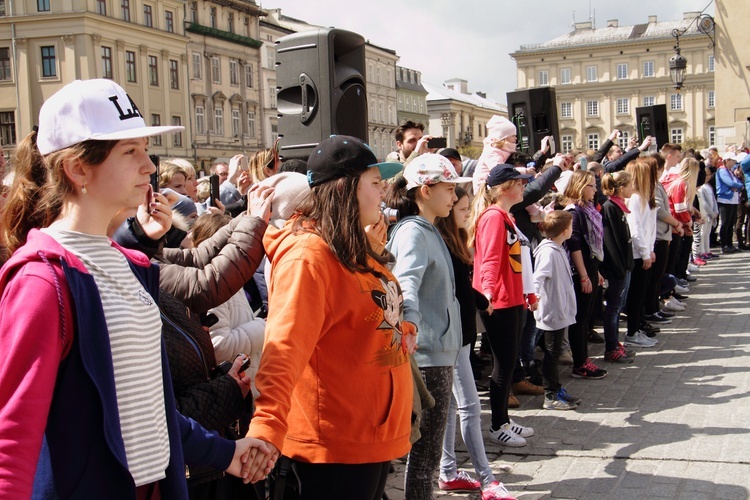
154, 215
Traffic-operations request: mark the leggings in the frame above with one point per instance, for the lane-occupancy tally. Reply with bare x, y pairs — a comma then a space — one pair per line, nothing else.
728, 217
425, 454
552, 348
578, 332
636, 295
342, 481
653, 289
504, 331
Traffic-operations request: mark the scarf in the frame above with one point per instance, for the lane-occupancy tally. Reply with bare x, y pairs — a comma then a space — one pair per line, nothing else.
595, 236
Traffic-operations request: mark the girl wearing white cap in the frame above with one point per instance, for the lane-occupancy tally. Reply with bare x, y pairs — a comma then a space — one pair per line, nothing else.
425, 272
86, 405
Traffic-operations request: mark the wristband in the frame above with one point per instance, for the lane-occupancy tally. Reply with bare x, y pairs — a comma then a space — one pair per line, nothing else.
584, 279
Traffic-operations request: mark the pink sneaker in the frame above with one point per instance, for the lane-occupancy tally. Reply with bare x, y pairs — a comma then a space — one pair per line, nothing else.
462, 482
496, 491
699, 262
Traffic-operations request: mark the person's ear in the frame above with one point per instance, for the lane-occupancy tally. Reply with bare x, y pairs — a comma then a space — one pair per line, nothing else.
425, 192
77, 172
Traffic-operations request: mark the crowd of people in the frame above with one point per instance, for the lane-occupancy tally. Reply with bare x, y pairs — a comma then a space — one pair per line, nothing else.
321, 318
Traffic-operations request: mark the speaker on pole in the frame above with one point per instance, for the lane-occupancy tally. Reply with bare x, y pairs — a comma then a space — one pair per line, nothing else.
652, 120
321, 88
534, 113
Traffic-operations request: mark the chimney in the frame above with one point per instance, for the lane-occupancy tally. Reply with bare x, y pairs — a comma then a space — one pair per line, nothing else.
652, 19
584, 25
690, 15
612, 23
457, 85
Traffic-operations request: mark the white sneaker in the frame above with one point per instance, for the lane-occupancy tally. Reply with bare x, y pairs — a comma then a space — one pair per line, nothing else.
524, 432
674, 305
682, 290
693, 268
505, 436
639, 339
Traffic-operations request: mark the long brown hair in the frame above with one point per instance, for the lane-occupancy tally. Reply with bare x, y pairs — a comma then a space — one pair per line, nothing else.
259, 162
40, 186
332, 211
456, 238
484, 197
643, 171
577, 183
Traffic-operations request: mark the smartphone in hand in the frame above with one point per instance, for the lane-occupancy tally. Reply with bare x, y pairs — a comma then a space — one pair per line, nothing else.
214, 194
155, 176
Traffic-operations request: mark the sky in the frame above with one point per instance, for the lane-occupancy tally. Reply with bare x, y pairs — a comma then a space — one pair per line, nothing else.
472, 39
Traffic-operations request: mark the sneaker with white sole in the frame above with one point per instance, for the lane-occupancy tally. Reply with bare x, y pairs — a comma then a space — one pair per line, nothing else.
506, 437
673, 305
639, 339
524, 432
462, 482
563, 394
552, 401
693, 268
496, 491
682, 289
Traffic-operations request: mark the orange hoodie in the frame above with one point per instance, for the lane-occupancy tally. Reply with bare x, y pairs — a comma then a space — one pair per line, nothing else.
335, 386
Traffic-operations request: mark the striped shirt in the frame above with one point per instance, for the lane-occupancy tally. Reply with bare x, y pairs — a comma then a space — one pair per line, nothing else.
134, 327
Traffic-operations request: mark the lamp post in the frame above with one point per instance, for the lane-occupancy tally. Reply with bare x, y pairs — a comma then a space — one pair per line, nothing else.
677, 64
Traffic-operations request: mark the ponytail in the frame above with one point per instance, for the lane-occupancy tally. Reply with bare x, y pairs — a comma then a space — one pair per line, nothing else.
482, 200
402, 200
614, 182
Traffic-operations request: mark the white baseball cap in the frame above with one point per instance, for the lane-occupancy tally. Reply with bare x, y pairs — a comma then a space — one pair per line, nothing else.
429, 169
91, 110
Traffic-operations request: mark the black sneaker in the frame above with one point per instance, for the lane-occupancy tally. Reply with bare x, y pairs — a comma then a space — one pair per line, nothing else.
679, 296
649, 329
589, 370
595, 337
658, 318
666, 314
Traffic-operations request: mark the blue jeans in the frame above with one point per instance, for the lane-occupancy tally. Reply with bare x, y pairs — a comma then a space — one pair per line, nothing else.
617, 292
466, 400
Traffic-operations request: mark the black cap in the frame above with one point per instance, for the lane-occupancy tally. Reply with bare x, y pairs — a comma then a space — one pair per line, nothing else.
450, 153
503, 173
344, 156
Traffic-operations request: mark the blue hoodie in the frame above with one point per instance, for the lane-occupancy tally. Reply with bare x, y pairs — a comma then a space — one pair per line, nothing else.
425, 272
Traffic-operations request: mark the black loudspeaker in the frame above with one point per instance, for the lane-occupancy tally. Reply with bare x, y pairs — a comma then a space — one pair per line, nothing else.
534, 113
320, 81
652, 120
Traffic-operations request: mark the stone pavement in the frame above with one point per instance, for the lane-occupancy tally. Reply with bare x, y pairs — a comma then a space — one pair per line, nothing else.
674, 424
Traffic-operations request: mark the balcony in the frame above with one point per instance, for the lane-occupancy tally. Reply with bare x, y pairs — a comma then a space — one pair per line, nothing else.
223, 35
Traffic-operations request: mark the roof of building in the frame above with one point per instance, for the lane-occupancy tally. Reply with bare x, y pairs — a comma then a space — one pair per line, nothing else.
582, 37
435, 93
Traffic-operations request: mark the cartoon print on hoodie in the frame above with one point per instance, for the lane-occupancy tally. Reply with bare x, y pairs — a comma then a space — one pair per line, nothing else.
515, 248
390, 306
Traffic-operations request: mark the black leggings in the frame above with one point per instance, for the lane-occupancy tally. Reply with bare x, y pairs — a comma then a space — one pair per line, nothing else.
504, 331
552, 347
728, 216
653, 290
342, 481
636, 295
579, 331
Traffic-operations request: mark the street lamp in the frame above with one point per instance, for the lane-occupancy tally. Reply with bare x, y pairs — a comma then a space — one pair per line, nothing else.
677, 67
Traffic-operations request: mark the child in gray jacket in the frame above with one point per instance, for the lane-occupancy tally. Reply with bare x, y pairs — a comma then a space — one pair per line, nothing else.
553, 283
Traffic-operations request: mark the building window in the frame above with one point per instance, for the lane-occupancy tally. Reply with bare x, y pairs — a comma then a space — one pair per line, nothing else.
130, 75
5, 64
591, 75
251, 123
648, 69
216, 69
272, 94
148, 16
622, 71
246, 22
218, 121
711, 99
107, 62
155, 122
676, 135
566, 143
234, 73
710, 63
565, 76
566, 110
230, 22
194, 12
42, 5
7, 128
593, 141
169, 18
153, 70
125, 10
101, 7
177, 136
274, 132
623, 140
592, 108
235, 122
649, 101
197, 66
675, 102
271, 58
49, 63
623, 106
543, 78
249, 75
711, 135
174, 75
200, 120
213, 17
